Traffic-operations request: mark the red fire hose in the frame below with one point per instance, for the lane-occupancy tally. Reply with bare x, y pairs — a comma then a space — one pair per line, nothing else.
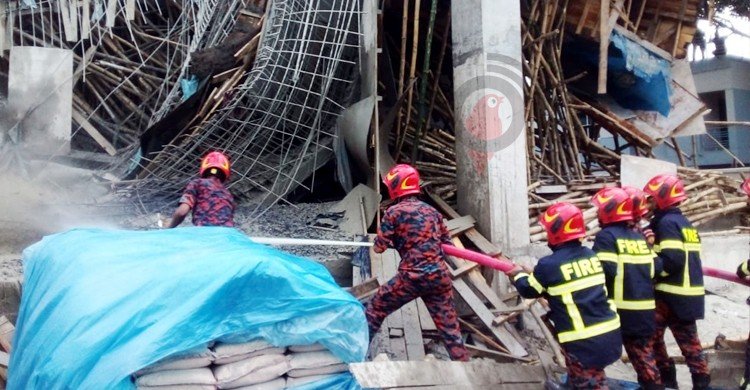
504, 264
725, 275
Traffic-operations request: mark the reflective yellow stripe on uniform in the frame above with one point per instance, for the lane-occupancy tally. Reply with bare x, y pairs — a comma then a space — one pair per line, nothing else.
532, 281
679, 245
591, 331
685, 288
636, 305
607, 256
745, 268
680, 290
580, 330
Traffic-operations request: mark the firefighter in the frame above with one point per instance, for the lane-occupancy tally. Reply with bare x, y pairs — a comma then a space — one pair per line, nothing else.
210, 201
416, 230
629, 266
743, 272
679, 288
640, 213
573, 282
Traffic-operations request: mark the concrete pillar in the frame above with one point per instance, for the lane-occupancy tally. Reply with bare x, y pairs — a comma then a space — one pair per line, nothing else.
489, 107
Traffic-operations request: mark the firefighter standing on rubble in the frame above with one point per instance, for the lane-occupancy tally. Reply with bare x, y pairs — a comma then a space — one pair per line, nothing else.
629, 266
743, 271
210, 201
572, 280
679, 288
416, 230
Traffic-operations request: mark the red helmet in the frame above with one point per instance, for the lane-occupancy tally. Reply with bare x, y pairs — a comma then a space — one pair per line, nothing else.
746, 186
614, 205
563, 222
215, 162
402, 180
640, 205
666, 189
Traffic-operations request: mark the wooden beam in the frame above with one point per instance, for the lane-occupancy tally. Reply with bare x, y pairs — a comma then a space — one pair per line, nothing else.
94, 133
7, 330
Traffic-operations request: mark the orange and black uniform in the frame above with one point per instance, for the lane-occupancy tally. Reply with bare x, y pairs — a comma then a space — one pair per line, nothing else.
630, 266
585, 321
743, 271
679, 294
416, 230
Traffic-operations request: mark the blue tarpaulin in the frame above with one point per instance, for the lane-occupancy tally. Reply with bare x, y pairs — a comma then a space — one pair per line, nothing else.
98, 305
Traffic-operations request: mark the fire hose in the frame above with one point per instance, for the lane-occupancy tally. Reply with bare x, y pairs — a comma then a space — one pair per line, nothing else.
504, 264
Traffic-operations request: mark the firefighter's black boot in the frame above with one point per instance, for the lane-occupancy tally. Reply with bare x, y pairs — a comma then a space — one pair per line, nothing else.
669, 376
701, 381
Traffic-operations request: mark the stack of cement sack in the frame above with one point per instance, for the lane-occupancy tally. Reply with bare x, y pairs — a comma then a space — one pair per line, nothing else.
256, 365
185, 371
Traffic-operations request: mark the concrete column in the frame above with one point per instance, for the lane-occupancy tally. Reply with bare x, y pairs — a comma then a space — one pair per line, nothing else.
489, 107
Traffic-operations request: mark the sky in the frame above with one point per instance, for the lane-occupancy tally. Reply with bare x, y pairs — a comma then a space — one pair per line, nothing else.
737, 45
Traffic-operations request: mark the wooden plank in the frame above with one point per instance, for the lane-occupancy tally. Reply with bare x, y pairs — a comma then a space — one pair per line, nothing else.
424, 316
396, 319
412, 332
73, 14
477, 351
64, 9
482, 372
484, 245
94, 133
485, 315
111, 13
7, 330
366, 288
86, 20
130, 9
460, 224
548, 335
459, 272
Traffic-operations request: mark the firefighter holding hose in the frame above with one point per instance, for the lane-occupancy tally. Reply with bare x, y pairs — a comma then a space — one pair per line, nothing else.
679, 288
629, 266
416, 230
573, 282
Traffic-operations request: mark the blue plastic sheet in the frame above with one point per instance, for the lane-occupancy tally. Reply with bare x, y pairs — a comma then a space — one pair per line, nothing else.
189, 87
98, 305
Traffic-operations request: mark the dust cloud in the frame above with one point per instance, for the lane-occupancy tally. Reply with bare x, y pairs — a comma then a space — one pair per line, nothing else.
48, 198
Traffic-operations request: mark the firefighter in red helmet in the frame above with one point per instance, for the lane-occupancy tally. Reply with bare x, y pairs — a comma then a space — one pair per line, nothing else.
573, 281
679, 288
206, 196
629, 266
416, 230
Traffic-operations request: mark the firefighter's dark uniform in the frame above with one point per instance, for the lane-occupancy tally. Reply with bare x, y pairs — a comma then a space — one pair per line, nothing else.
743, 271
586, 323
630, 266
679, 294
